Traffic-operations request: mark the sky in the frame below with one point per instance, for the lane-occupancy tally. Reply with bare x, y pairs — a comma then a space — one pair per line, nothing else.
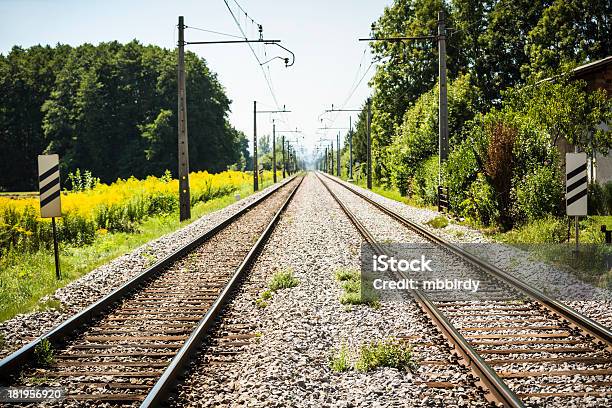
323, 35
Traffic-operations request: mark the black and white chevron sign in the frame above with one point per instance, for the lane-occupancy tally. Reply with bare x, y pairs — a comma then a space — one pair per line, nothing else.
49, 184
576, 183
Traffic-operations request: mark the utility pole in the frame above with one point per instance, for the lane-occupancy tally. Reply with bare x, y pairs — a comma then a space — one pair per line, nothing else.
325, 161
331, 157
274, 150
255, 167
443, 105
183, 145
338, 170
350, 178
284, 162
369, 144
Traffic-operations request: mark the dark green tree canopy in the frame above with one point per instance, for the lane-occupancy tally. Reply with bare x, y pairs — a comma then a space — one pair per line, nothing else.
109, 108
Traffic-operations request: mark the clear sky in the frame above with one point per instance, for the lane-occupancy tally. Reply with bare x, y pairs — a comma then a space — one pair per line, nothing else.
322, 34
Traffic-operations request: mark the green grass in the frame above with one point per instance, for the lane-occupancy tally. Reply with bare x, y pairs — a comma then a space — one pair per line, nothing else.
43, 353
546, 240
353, 293
392, 194
437, 222
27, 277
340, 361
385, 353
283, 280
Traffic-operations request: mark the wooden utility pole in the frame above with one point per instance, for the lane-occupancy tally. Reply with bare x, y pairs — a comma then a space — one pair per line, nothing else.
183, 145
443, 105
255, 167
369, 144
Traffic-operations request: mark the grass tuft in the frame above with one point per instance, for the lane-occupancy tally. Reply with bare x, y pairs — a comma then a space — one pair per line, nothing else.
43, 353
437, 222
340, 361
347, 274
385, 353
353, 294
283, 280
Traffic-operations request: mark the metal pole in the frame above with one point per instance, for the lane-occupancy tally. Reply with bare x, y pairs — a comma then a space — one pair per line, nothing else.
443, 105
325, 161
255, 167
284, 163
369, 143
350, 149
331, 157
274, 150
183, 146
576, 219
58, 273
338, 170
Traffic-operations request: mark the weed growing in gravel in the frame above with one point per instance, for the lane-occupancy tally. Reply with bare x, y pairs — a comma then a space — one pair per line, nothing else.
353, 293
263, 297
385, 353
283, 280
35, 380
43, 353
49, 304
347, 274
438, 222
340, 361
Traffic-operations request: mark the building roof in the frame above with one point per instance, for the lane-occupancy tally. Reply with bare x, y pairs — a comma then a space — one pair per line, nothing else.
592, 66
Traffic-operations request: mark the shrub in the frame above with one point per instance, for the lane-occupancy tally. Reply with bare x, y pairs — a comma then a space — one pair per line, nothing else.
425, 181
43, 353
459, 173
546, 230
537, 194
597, 204
607, 187
480, 204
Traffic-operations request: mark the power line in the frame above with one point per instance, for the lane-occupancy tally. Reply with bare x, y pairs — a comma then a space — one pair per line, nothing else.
211, 31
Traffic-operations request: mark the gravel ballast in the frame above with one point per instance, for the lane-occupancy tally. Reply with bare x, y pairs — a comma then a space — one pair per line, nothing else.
302, 327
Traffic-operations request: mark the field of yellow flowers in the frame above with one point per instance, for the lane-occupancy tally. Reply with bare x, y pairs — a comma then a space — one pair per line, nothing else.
97, 225
118, 207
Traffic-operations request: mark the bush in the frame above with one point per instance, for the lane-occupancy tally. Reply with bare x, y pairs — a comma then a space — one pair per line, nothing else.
546, 230
459, 173
424, 184
538, 194
607, 187
597, 204
480, 204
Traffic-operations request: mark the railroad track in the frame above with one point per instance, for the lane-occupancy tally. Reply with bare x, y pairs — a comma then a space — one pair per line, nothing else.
522, 345
132, 346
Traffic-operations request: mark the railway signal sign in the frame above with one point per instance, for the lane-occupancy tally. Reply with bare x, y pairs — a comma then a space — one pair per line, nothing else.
50, 196
576, 183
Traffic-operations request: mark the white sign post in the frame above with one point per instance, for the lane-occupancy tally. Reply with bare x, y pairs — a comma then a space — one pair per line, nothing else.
576, 187
50, 196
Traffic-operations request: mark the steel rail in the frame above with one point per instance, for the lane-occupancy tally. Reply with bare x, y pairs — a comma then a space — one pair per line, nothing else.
17, 360
500, 392
574, 317
164, 386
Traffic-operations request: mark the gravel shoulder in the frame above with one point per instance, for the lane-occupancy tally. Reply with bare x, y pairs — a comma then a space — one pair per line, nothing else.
94, 285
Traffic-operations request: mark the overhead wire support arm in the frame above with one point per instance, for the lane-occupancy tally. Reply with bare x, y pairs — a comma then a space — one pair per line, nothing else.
420, 37
268, 42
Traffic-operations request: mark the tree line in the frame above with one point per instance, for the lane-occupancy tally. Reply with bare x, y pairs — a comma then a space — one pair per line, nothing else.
110, 109
499, 53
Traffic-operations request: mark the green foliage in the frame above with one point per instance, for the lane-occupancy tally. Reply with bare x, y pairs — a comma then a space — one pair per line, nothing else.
340, 361
437, 222
597, 200
354, 293
386, 353
82, 182
424, 183
538, 193
44, 353
346, 275
480, 204
283, 280
607, 188
109, 108
548, 229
